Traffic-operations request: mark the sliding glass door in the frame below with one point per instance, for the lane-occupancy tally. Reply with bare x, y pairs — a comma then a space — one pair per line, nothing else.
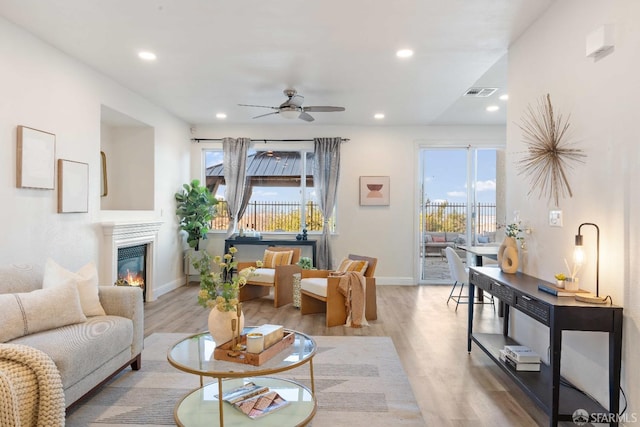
457, 206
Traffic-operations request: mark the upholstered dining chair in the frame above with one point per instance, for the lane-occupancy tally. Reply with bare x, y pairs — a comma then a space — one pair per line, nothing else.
319, 292
460, 276
279, 266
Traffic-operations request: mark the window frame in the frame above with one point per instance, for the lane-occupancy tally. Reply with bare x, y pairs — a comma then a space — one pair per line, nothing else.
303, 148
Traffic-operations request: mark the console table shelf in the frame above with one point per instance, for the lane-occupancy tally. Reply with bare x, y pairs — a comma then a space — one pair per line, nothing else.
554, 394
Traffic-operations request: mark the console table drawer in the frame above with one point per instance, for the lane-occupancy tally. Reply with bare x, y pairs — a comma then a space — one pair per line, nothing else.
534, 308
482, 282
502, 292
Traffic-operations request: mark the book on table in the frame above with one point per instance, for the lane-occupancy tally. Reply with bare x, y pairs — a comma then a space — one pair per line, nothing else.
559, 292
518, 366
254, 400
521, 354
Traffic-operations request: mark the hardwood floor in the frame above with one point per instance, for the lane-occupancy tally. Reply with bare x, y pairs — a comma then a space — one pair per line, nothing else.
451, 386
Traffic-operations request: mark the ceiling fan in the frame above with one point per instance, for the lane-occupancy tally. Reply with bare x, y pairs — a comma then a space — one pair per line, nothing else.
292, 108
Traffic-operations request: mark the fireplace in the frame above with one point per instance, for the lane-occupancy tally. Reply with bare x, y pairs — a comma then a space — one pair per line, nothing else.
132, 246
132, 266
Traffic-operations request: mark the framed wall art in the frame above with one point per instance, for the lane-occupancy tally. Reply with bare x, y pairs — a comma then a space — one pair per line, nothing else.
35, 159
73, 186
374, 191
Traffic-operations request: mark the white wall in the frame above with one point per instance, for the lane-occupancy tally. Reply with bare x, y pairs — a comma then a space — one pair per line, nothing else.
601, 96
385, 232
43, 88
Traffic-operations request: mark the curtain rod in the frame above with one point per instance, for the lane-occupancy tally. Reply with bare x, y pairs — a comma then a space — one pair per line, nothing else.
263, 140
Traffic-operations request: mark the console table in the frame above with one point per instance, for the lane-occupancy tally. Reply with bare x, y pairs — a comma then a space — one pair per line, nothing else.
552, 393
259, 242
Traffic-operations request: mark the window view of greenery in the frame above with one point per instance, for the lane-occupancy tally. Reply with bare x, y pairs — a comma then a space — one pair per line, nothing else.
280, 186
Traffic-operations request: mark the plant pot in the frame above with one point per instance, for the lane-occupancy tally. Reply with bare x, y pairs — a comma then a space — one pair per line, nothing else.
220, 325
560, 283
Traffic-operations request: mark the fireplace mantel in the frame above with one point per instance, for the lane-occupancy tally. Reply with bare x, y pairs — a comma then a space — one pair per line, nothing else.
129, 233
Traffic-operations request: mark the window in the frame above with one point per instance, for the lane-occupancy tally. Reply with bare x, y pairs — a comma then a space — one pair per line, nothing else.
281, 193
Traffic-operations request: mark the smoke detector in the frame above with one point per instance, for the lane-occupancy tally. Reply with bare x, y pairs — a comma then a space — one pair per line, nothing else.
480, 92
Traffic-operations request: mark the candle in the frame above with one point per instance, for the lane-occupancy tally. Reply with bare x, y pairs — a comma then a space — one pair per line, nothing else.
255, 343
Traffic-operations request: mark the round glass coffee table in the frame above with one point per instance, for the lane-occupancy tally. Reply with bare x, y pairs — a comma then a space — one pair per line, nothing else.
194, 354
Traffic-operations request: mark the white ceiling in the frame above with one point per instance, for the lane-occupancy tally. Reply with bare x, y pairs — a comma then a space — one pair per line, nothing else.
215, 54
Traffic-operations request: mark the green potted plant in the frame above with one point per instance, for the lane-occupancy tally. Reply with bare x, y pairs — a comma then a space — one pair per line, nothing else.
195, 210
305, 263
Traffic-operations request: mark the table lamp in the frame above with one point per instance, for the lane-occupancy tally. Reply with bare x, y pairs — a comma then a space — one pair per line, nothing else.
578, 258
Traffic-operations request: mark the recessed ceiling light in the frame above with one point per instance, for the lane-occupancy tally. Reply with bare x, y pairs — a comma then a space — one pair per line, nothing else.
221, 116
492, 108
147, 56
378, 116
404, 53
504, 97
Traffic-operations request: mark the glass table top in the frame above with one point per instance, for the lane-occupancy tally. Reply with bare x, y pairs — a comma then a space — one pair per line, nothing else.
194, 354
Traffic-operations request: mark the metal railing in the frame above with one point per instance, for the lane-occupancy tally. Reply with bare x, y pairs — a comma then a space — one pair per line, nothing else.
272, 217
453, 217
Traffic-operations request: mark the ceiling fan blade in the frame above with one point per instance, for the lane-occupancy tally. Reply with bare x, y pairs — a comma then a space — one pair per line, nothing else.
306, 117
322, 109
260, 106
296, 100
268, 114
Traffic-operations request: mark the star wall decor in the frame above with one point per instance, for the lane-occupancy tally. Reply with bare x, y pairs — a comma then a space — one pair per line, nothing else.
549, 155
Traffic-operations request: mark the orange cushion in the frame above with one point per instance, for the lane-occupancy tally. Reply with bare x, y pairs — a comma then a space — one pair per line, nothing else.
272, 259
353, 265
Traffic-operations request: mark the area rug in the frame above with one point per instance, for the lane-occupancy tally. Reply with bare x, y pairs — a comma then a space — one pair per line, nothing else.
359, 381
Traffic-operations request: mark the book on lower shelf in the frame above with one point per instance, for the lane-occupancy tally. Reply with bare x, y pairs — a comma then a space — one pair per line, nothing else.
518, 366
522, 354
254, 400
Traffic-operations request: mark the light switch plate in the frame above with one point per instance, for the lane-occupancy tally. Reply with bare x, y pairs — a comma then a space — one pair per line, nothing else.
555, 218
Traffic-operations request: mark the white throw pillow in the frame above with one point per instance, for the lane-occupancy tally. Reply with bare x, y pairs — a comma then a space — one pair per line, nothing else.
86, 279
30, 312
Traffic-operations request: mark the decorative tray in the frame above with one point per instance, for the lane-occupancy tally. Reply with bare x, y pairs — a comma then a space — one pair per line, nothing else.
224, 352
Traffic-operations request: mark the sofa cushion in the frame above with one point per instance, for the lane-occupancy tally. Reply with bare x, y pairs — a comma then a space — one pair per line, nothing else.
439, 239
40, 310
273, 259
86, 280
80, 349
315, 285
20, 278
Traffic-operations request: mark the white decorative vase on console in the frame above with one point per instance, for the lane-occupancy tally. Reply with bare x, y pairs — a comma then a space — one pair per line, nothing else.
508, 255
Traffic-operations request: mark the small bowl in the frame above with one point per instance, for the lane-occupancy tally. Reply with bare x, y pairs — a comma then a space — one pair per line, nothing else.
374, 187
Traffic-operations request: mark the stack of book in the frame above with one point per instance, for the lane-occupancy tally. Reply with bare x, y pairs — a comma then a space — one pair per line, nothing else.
520, 358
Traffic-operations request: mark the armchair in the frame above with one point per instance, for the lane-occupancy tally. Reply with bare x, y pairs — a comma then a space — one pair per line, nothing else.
319, 293
277, 273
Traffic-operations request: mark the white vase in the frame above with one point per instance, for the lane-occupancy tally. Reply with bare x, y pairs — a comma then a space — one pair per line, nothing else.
220, 325
508, 255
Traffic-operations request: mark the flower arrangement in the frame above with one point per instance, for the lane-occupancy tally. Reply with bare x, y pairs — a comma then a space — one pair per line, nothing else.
221, 289
512, 230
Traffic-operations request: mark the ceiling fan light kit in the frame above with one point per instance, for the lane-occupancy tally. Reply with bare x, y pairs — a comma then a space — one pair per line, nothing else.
292, 108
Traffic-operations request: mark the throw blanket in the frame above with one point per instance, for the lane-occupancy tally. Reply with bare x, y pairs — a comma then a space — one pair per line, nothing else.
30, 388
353, 286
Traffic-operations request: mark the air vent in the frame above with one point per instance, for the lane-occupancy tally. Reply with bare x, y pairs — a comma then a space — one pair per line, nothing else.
481, 92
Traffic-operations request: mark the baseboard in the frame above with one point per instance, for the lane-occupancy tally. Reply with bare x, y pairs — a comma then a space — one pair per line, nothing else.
167, 287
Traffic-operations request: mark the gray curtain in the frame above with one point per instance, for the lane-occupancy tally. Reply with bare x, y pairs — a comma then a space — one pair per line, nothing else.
235, 176
326, 173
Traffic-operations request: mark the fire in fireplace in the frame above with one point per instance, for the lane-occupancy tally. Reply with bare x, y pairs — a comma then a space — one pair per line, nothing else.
132, 265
